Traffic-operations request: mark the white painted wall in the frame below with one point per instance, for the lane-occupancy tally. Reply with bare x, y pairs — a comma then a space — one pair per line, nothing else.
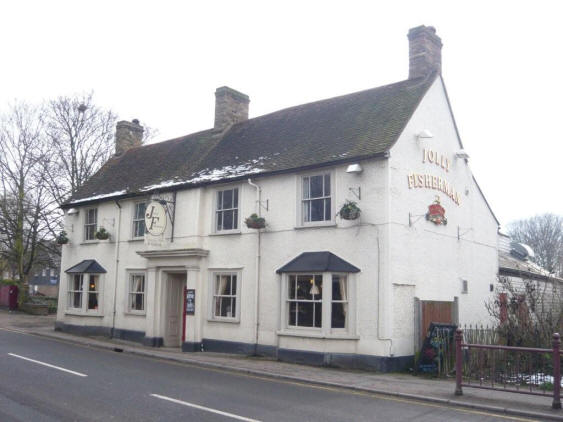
398, 262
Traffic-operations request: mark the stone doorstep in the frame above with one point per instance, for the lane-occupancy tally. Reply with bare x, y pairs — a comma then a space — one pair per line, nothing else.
396, 385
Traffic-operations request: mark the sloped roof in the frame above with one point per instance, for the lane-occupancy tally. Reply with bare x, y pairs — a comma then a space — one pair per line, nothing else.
509, 265
89, 266
350, 127
318, 262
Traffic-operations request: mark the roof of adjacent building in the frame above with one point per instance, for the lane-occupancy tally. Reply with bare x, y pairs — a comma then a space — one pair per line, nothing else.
356, 126
510, 265
318, 262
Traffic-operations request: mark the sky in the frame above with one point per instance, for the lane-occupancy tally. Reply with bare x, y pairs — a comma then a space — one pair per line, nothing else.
161, 61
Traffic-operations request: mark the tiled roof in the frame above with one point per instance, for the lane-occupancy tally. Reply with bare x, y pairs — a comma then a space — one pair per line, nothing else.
354, 126
509, 265
318, 262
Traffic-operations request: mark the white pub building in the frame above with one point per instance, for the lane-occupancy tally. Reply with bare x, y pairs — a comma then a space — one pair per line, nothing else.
368, 224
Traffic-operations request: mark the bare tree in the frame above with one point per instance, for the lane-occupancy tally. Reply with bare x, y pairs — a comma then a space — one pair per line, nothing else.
544, 234
81, 138
24, 201
527, 312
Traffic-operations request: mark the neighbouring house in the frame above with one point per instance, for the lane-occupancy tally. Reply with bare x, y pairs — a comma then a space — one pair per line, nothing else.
182, 261
45, 281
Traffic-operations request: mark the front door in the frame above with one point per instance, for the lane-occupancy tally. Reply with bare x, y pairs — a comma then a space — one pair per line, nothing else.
174, 289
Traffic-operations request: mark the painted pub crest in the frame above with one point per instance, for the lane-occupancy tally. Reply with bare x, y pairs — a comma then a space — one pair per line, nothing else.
436, 213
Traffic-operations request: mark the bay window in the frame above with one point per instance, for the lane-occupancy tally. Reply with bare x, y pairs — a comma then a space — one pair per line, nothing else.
84, 292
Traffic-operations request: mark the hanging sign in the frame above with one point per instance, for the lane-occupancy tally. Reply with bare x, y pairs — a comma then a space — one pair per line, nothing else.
436, 213
155, 218
190, 301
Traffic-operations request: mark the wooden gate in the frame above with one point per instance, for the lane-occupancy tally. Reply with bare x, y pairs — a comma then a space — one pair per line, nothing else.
434, 311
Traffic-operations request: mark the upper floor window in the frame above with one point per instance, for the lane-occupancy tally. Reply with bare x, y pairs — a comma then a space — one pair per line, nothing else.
227, 210
316, 198
139, 219
91, 224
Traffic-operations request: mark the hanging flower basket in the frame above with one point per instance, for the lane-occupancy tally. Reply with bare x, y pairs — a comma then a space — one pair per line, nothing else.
102, 234
349, 211
255, 222
62, 238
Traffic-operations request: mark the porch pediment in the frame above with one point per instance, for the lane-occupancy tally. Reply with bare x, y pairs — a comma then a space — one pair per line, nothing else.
174, 253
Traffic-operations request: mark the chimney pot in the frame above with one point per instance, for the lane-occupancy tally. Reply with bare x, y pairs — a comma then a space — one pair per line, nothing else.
230, 107
128, 135
425, 51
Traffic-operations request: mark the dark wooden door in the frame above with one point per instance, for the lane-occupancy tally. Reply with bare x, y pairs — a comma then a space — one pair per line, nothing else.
434, 311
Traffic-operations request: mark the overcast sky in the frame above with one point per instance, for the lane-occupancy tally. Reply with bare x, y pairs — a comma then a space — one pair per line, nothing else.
161, 62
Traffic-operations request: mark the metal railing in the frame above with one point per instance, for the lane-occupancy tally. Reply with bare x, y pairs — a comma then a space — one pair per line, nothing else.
524, 370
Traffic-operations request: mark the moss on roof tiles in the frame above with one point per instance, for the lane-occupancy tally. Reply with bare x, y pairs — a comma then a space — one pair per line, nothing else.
361, 124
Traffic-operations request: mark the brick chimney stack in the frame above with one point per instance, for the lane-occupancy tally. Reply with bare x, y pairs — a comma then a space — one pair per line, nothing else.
128, 135
425, 51
230, 107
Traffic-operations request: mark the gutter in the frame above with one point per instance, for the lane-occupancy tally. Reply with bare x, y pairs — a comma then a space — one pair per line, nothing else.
257, 298
118, 228
187, 185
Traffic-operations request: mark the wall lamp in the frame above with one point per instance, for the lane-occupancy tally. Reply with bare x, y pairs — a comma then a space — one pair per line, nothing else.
424, 134
462, 154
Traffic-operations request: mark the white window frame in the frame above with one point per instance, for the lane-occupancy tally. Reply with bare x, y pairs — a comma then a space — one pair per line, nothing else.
134, 220
325, 331
216, 211
301, 200
85, 292
87, 224
130, 277
212, 295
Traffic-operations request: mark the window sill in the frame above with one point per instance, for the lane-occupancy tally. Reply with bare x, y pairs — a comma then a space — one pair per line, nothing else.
133, 313
90, 242
137, 239
84, 314
227, 320
309, 334
225, 233
316, 226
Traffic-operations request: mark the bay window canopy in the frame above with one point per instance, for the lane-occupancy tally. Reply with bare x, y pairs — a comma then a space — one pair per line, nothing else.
318, 262
88, 266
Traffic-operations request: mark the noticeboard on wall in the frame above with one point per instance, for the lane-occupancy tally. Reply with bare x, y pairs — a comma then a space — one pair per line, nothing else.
190, 301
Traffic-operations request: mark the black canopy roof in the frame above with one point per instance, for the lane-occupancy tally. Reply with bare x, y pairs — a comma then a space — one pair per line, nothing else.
318, 262
89, 266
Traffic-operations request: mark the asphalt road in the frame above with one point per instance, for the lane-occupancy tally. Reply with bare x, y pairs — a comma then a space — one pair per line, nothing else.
48, 380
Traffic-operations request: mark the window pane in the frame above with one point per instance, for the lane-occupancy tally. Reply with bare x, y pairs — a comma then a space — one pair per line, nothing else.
77, 300
306, 191
317, 210
307, 211
227, 220
137, 304
339, 315
140, 211
316, 186
77, 282
233, 285
304, 287
305, 314
291, 287
327, 209
327, 185
227, 199
292, 313
235, 219
339, 288
235, 198
93, 285
318, 315
233, 307
220, 200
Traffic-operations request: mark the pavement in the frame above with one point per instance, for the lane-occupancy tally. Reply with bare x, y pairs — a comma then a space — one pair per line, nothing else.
401, 385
